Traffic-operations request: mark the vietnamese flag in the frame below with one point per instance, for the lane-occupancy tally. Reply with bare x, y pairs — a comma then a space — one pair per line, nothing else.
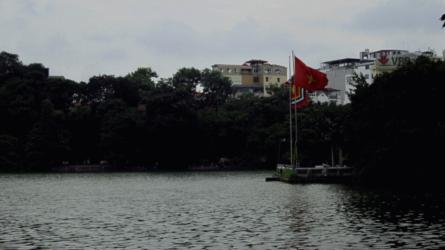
308, 78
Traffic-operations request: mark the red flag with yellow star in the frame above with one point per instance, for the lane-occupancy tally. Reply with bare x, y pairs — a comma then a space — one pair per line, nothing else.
308, 78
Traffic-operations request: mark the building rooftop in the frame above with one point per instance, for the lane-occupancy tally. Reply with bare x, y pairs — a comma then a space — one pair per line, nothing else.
255, 61
346, 61
226, 65
388, 50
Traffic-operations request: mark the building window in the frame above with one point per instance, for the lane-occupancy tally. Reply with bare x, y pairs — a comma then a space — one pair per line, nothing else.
277, 71
367, 67
256, 79
367, 76
267, 79
278, 79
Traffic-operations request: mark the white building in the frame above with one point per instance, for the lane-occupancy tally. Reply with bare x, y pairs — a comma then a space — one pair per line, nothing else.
340, 75
340, 72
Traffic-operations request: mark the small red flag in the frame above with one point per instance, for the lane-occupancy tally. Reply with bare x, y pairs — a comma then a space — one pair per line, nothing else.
308, 78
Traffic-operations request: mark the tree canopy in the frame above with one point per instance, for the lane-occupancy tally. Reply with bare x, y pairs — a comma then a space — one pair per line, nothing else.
397, 125
393, 128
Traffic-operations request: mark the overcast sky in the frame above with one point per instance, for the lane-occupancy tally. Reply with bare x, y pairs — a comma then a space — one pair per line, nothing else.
82, 38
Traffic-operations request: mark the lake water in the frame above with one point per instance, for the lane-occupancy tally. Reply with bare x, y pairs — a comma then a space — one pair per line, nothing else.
213, 210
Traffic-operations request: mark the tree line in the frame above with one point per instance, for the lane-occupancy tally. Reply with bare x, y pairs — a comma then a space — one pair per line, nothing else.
394, 126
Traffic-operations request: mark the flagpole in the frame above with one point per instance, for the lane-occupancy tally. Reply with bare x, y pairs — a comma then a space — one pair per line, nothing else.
296, 137
296, 120
290, 116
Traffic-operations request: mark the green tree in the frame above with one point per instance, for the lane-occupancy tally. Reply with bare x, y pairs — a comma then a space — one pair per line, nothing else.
248, 130
321, 133
19, 106
217, 88
63, 93
172, 126
144, 77
84, 124
120, 134
396, 124
36, 71
103, 88
10, 66
187, 78
48, 140
10, 153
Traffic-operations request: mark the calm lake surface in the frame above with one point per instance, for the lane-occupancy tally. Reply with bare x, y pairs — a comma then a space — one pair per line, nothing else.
213, 210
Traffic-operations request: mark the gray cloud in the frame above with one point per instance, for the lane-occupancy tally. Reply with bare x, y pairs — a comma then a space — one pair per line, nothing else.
401, 16
411, 25
79, 38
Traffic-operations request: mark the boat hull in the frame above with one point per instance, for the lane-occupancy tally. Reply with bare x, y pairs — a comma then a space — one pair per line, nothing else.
324, 174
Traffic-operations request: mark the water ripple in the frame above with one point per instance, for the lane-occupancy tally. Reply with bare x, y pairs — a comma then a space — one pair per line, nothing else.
210, 211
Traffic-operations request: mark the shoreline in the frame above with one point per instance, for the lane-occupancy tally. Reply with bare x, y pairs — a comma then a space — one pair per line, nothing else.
137, 169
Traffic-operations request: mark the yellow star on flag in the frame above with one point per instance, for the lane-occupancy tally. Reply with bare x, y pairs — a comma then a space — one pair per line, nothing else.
310, 79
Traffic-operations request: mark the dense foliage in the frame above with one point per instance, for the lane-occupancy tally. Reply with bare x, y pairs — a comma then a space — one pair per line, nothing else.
132, 121
397, 124
391, 127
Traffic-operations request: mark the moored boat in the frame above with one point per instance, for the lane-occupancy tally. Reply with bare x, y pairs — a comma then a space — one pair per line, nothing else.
320, 173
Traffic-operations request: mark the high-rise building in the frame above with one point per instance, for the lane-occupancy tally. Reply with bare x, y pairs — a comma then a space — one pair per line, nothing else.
253, 76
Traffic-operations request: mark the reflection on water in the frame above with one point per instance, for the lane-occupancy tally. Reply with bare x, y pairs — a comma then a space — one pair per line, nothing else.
217, 210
